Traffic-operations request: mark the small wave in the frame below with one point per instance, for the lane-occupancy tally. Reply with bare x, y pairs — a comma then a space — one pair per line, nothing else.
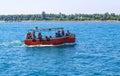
15, 43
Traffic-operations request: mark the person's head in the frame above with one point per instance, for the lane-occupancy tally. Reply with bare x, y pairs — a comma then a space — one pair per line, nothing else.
39, 33
67, 30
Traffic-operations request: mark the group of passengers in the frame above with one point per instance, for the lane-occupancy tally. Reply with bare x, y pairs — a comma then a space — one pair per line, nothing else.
62, 33
58, 34
33, 36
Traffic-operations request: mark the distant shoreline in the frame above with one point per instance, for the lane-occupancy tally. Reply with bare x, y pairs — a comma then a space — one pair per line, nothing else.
64, 21
44, 17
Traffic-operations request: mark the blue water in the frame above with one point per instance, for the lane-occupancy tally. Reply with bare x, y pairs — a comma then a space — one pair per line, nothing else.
96, 52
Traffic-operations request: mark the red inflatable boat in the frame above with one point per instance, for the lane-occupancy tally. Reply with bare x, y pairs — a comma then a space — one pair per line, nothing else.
70, 38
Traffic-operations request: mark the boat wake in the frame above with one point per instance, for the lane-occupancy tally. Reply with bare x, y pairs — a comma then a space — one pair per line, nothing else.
18, 43
15, 43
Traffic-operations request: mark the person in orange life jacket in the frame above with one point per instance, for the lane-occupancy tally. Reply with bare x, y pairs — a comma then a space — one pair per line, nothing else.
28, 35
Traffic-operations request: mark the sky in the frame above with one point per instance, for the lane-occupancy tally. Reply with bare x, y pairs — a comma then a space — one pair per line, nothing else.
56, 6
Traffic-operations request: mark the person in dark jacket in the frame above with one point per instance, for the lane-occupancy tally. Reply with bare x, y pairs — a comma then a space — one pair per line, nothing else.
33, 35
68, 33
39, 36
63, 33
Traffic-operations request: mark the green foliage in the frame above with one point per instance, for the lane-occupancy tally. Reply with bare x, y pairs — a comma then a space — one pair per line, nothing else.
61, 17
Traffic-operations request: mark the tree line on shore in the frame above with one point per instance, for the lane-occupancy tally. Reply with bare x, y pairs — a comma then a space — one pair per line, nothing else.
61, 17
